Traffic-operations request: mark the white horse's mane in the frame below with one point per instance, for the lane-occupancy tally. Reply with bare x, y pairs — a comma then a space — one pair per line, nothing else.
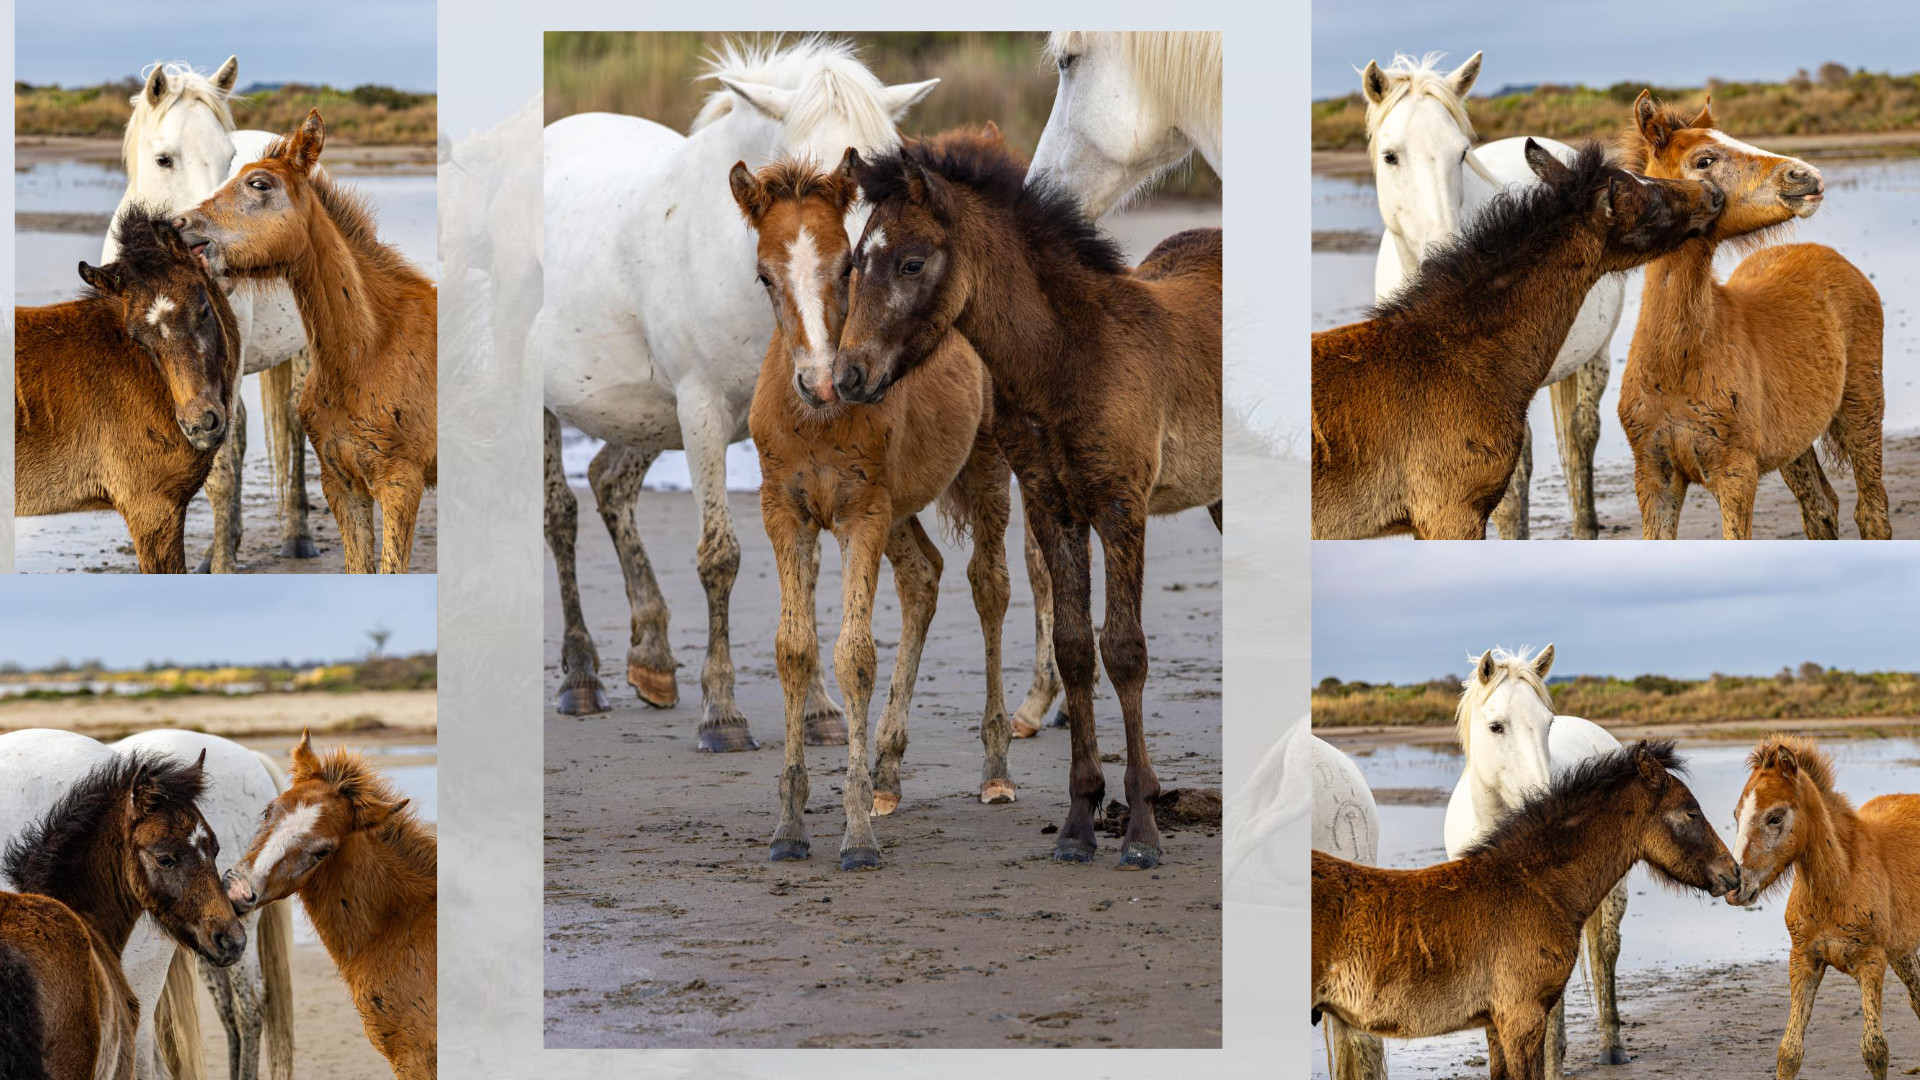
1474, 693
184, 86
830, 85
1180, 70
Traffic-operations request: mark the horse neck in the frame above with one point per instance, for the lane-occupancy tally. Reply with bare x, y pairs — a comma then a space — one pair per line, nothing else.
1679, 306
94, 884
366, 888
1021, 308
1825, 859
333, 286
1587, 859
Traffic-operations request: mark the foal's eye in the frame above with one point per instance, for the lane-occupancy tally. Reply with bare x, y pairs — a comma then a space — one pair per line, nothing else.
764, 280
322, 854
166, 861
1704, 163
163, 161
259, 183
1776, 818
912, 266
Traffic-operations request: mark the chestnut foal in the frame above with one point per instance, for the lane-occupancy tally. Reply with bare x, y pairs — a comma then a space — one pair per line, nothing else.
1489, 939
1855, 904
121, 397
369, 405
1726, 383
863, 472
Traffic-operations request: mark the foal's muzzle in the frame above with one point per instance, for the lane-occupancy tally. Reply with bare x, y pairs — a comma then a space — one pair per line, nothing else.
207, 432
239, 893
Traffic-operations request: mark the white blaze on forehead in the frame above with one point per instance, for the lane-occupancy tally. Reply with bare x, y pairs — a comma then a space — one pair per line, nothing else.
803, 283
200, 834
161, 306
293, 829
1740, 836
1739, 147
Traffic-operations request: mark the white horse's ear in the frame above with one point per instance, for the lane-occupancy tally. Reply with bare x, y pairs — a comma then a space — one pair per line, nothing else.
1462, 78
228, 74
1543, 663
771, 101
898, 99
1373, 82
156, 88
1483, 671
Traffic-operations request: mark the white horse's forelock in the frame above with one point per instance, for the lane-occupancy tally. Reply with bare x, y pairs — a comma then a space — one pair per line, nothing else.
1179, 71
830, 84
184, 86
1409, 80
1474, 693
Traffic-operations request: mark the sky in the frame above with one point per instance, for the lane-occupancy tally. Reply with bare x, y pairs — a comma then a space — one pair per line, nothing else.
127, 621
342, 42
1685, 609
1600, 43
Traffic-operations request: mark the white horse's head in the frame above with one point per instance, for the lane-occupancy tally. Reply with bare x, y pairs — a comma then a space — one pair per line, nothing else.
178, 146
1503, 721
1129, 105
1421, 143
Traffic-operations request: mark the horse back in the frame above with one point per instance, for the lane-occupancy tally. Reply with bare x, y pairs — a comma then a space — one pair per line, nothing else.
84, 1011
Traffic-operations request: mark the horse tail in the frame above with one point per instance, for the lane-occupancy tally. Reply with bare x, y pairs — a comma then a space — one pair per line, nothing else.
1835, 453
956, 512
21, 1037
176, 1021
274, 770
276, 385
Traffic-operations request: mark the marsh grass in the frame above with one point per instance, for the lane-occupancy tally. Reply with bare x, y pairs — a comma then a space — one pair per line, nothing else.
983, 76
1835, 101
369, 115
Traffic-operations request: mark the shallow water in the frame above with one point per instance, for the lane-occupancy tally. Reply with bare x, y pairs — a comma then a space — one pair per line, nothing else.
1663, 928
1872, 216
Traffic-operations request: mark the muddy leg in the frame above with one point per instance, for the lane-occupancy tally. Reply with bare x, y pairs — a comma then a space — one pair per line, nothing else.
1356, 1055
1803, 979
1858, 430
1734, 485
1872, 974
615, 474
1510, 517
703, 424
1046, 676
353, 513
581, 691
826, 721
239, 995
1123, 649
1523, 1043
1576, 422
1603, 957
223, 493
1660, 491
1065, 543
1907, 967
159, 536
797, 652
399, 506
1554, 1048
987, 500
1496, 1058
1819, 506
861, 543
296, 534
916, 576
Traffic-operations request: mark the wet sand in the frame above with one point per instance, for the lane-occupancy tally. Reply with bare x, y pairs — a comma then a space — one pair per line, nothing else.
328, 1039
666, 925
404, 714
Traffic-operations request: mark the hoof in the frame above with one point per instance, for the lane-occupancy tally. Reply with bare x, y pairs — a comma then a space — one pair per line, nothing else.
727, 738
583, 701
300, 547
1067, 849
1059, 719
1023, 729
996, 792
1138, 856
825, 729
860, 858
884, 803
656, 688
1614, 1055
783, 850
206, 566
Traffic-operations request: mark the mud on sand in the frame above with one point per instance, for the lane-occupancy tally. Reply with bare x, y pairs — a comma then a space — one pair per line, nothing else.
667, 926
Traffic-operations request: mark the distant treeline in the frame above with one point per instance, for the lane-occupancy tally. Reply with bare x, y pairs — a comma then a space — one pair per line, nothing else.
1003, 77
1832, 100
166, 679
369, 115
1808, 693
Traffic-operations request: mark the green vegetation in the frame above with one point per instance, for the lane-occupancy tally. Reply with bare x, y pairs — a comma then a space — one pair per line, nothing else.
165, 679
368, 115
1833, 100
1003, 77
1810, 693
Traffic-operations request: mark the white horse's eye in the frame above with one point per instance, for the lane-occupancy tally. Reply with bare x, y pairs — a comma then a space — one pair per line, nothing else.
163, 161
1496, 728
1390, 158
1066, 62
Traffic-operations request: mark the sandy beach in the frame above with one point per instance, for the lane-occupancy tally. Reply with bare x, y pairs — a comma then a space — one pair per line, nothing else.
403, 714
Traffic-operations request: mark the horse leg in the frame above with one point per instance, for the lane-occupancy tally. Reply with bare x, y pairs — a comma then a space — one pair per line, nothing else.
1803, 981
615, 475
1553, 1052
1510, 517
797, 653
399, 499
280, 388
1907, 967
240, 995
1355, 1055
1523, 1042
985, 479
826, 722
1123, 649
916, 576
704, 425
862, 540
1819, 506
1661, 491
1872, 973
581, 692
353, 513
1496, 1057
1856, 430
1603, 957
159, 536
1046, 676
1064, 541
1576, 422
1734, 485
1215, 510
1453, 521
223, 492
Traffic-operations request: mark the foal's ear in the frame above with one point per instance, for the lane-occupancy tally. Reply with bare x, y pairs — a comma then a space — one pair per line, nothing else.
747, 192
228, 74
305, 762
372, 815
1373, 83
104, 279
1543, 663
930, 190
991, 132
169, 239
303, 149
1785, 761
1547, 167
1650, 767
1462, 78
1654, 125
1705, 117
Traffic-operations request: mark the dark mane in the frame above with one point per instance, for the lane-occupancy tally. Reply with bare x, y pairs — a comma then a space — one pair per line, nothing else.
36, 858
1047, 215
1583, 790
350, 214
142, 232
1503, 242
351, 778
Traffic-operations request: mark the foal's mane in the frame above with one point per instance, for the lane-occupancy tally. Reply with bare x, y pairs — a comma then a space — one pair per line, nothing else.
350, 213
37, 857
1806, 755
1473, 693
143, 255
185, 86
829, 81
351, 778
1046, 216
1181, 70
1583, 790
1511, 233
797, 178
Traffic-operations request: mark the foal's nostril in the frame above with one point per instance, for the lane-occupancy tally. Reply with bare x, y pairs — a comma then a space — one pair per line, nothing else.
210, 421
850, 380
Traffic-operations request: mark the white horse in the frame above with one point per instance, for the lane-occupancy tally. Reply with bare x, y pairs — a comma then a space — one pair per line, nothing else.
180, 146
1515, 747
1346, 823
1431, 181
256, 993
